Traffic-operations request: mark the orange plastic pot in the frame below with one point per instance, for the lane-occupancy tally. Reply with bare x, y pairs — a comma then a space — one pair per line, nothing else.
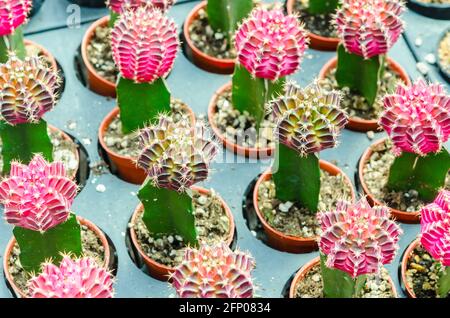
317, 42
202, 60
160, 271
404, 266
44, 52
359, 124
288, 243
126, 166
248, 152
301, 274
8, 251
95, 82
401, 216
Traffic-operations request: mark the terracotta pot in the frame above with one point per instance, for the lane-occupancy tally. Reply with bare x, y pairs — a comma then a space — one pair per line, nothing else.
401, 216
160, 271
445, 74
20, 293
67, 138
359, 124
308, 266
317, 42
281, 241
202, 60
439, 11
258, 153
404, 266
44, 52
125, 166
95, 82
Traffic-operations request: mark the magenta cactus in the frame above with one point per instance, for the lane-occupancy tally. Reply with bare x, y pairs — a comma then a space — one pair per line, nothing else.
79, 278
214, 272
38, 196
28, 90
120, 6
271, 45
369, 28
416, 118
13, 13
144, 43
357, 238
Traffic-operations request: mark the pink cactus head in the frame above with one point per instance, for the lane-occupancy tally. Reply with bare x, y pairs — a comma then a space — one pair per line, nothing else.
214, 272
271, 45
144, 44
37, 196
369, 27
120, 6
28, 89
79, 278
417, 118
357, 238
13, 13
435, 228
174, 154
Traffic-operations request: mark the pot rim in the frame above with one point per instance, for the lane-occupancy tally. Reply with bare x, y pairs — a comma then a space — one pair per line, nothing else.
403, 267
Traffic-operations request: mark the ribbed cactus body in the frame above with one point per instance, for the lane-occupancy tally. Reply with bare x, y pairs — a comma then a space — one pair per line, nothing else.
144, 44
308, 120
369, 27
37, 196
174, 154
357, 238
120, 6
13, 13
435, 228
79, 278
214, 272
28, 89
416, 118
270, 45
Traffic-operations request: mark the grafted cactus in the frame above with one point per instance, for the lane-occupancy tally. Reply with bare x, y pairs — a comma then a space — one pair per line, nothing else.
73, 278
435, 236
356, 240
367, 30
270, 46
417, 121
28, 89
214, 272
13, 13
175, 156
308, 121
37, 199
145, 45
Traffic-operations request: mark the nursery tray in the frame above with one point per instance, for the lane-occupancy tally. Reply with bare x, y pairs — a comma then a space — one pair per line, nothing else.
111, 209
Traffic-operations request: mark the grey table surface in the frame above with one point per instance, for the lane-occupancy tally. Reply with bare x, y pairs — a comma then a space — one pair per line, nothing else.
112, 209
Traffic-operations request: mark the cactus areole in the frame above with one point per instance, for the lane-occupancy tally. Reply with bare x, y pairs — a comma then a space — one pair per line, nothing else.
308, 121
270, 46
37, 199
417, 121
435, 237
145, 44
28, 89
367, 30
175, 156
356, 240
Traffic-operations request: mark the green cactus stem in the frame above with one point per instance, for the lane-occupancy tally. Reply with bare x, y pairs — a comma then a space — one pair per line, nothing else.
444, 282
426, 174
317, 7
224, 15
12, 43
251, 93
141, 103
339, 284
359, 74
22, 141
297, 178
113, 16
36, 247
168, 212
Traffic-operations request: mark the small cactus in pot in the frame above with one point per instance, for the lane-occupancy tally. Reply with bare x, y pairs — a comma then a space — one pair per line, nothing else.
118, 7
356, 240
214, 272
435, 237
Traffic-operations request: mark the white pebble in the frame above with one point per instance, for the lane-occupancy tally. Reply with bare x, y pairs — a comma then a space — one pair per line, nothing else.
418, 42
284, 207
422, 68
370, 135
100, 188
430, 58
